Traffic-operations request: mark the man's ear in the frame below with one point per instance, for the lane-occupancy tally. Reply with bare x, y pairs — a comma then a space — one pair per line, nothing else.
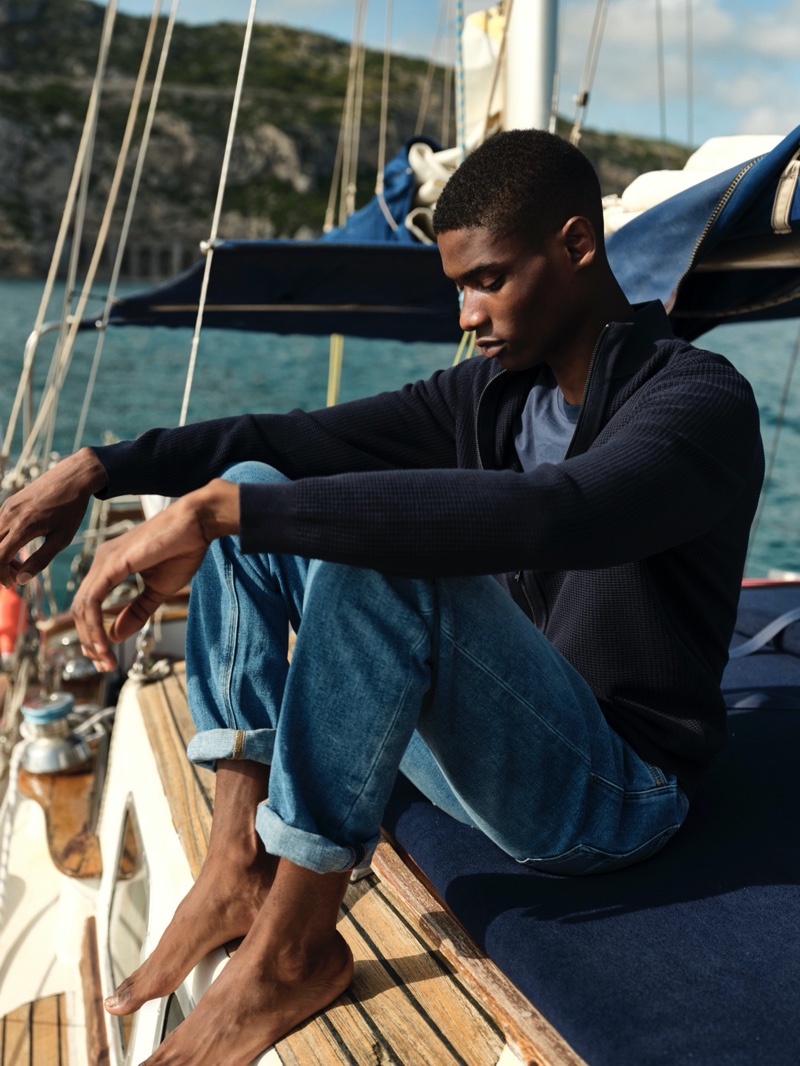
580, 241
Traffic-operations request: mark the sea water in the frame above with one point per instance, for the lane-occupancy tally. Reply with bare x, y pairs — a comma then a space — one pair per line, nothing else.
142, 373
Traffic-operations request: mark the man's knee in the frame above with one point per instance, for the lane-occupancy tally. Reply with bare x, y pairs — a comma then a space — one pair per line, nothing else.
252, 472
359, 588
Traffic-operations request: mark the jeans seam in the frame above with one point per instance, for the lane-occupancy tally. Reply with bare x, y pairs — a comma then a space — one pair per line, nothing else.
232, 632
389, 729
515, 695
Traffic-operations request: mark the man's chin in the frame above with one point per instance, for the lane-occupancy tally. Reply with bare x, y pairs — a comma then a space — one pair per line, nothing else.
517, 361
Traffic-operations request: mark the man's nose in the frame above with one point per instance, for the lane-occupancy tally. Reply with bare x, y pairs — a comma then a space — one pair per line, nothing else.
473, 313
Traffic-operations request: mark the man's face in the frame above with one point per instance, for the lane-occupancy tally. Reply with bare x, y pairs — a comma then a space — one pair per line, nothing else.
514, 296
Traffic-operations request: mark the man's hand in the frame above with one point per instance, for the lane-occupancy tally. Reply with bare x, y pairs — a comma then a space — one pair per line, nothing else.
52, 507
165, 552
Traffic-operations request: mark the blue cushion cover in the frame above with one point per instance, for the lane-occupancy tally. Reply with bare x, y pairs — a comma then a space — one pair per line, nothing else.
692, 956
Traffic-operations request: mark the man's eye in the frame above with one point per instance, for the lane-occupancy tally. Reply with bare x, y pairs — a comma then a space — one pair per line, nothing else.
493, 286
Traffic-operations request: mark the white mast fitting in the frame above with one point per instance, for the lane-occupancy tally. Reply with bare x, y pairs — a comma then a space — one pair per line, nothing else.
530, 64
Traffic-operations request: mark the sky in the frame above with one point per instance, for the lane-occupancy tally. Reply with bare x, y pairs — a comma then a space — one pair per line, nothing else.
745, 70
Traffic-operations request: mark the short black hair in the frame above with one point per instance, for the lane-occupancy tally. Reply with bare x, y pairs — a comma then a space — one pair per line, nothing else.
528, 182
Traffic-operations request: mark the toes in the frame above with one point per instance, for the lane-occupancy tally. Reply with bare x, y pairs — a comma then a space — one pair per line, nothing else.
135, 991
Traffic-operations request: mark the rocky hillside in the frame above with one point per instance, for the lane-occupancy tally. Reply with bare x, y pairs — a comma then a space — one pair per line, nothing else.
287, 132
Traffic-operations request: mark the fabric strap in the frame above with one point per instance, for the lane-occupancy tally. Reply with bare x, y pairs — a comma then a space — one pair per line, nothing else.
765, 635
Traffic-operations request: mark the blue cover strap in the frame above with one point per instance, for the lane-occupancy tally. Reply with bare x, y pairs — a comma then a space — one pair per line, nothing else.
765, 635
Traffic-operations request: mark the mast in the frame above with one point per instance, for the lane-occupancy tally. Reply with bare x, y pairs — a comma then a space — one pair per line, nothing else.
530, 64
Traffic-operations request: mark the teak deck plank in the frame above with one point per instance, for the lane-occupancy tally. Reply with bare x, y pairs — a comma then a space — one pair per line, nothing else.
35, 1033
422, 992
190, 789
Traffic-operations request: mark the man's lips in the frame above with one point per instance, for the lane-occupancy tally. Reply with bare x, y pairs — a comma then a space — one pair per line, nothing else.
490, 346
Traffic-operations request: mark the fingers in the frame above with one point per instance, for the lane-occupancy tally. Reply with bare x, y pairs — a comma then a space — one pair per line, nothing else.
134, 615
107, 571
23, 572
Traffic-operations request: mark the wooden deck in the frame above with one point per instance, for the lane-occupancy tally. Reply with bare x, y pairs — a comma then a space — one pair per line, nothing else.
422, 992
35, 1034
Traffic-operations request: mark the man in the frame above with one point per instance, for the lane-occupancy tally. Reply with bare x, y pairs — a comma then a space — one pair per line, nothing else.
605, 472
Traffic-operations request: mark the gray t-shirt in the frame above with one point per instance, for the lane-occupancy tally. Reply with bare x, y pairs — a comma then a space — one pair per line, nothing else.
545, 427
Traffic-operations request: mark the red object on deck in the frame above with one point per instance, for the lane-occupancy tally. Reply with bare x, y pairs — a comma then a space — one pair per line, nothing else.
13, 619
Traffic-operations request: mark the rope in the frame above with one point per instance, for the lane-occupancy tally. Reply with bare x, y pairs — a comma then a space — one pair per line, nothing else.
335, 368
498, 66
7, 812
49, 403
66, 217
126, 224
589, 70
208, 247
466, 347
351, 110
776, 436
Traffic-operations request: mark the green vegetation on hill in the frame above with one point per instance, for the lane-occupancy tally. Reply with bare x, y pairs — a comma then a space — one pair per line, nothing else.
286, 137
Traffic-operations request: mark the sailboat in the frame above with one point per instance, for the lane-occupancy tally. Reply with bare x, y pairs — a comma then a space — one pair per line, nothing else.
462, 956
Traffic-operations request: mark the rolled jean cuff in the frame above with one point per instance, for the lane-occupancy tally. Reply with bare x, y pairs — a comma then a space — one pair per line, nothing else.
206, 747
307, 849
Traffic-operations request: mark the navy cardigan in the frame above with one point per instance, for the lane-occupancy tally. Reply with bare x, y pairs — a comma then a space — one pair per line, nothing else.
628, 555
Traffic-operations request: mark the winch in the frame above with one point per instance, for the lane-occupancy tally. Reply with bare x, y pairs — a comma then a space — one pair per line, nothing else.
53, 746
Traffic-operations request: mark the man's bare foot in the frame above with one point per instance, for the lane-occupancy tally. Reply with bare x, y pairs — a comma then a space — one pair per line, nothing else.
251, 1005
221, 905
224, 901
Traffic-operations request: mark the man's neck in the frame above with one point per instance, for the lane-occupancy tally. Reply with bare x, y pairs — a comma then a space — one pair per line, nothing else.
571, 367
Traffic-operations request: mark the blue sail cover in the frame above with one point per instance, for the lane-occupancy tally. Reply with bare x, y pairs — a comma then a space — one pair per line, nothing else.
372, 279
705, 253
365, 279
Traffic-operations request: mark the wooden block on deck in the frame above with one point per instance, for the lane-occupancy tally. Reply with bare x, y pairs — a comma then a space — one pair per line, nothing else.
66, 800
96, 1040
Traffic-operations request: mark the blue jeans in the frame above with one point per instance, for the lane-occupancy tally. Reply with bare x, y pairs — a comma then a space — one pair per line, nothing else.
445, 679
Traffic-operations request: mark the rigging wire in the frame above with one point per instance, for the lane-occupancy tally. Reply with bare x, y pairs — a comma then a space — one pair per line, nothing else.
84, 148
689, 75
384, 123
330, 210
662, 93
447, 92
122, 159
461, 100
352, 185
208, 246
776, 436
62, 358
427, 86
352, 113
126, 224
589, 70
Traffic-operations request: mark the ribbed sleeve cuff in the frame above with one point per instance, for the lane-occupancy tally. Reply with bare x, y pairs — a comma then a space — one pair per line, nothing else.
118, 461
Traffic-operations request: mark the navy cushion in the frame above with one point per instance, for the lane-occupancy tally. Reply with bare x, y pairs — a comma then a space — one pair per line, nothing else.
694, 955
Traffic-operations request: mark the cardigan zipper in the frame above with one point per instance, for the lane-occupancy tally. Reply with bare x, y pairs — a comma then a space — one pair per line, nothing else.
488, 385
589, 375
